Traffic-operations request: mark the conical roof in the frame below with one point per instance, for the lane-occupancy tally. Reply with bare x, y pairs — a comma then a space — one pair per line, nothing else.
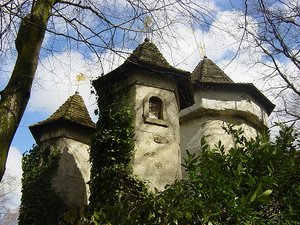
147, 57
208, 71
73, 110
148, 53
208, 75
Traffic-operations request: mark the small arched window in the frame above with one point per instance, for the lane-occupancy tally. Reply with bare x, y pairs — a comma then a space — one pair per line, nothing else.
155, 108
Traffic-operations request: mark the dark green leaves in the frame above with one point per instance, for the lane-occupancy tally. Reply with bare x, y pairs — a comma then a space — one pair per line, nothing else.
256, 182
40, 204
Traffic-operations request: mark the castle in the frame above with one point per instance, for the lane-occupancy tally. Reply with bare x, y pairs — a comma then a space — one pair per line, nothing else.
172, 110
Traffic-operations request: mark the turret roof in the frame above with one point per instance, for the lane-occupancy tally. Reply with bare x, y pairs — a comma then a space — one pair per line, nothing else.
208, 75
208, 71
73, 110
148, 53
147, 56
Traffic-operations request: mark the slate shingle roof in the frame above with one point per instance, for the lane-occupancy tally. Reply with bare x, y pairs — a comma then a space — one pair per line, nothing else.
147, 56
208, 71
208, 75
73, 110
148, 53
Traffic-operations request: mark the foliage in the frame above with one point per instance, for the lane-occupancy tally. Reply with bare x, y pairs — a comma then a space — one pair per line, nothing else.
256, 182
40, 204
111, 153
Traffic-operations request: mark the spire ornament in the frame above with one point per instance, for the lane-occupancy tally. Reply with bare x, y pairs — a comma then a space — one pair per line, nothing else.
80, 78
148, 26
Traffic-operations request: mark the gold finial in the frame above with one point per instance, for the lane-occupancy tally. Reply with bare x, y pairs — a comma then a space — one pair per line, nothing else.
80, 78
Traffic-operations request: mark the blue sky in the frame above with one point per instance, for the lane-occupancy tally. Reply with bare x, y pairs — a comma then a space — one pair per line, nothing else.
56, 74
23, 139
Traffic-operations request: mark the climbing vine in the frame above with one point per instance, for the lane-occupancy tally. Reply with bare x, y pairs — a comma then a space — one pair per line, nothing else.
111, 154
40, 204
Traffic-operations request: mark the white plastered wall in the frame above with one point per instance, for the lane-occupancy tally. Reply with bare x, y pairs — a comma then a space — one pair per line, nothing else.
212, 110
73, 172
157, 150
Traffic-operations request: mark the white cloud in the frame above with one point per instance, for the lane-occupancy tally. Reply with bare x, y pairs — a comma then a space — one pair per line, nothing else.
56, 77
56, 81
11, 182
183, 50
13, 166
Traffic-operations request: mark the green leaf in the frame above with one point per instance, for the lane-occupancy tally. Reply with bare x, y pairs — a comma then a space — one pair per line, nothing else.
253, 197
240, 168
267, 192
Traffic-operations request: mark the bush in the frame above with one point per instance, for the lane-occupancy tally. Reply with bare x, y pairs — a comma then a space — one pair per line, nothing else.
256, 182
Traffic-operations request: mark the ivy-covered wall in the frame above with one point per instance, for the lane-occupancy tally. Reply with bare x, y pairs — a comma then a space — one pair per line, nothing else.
39, 203
111, 151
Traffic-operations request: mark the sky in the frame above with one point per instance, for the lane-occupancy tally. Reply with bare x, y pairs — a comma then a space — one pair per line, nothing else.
56, 75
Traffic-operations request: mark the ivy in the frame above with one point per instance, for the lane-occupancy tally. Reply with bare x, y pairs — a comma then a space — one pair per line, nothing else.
111, 154
40, 204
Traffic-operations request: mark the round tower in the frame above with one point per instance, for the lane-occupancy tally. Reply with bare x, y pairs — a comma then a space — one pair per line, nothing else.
69, 130
218, 100
155, 92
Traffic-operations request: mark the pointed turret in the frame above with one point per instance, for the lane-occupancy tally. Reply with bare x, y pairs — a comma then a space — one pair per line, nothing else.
147, 57
148, 54
69, 131
155, 92
218, 100
73, 111
208, 71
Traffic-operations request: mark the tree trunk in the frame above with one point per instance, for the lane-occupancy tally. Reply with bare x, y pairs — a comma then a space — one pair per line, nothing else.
15, 96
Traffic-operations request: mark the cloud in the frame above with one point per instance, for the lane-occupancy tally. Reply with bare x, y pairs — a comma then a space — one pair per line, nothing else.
11, 182
56, 81
56, 77
221, 42
14, 162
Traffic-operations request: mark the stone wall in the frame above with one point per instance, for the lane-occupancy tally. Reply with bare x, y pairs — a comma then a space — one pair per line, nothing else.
157, 141
73, 171
212, 110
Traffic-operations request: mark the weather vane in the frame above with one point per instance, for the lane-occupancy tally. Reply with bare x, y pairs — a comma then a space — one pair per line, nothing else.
202, 50
80, 78
148, 25
200, 46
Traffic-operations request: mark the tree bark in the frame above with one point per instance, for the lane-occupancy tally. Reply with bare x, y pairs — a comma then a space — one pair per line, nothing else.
15, 96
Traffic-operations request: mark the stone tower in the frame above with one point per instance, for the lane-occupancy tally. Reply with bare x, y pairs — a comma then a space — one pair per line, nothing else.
68, 129
219, 100
155, 92
171, 110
